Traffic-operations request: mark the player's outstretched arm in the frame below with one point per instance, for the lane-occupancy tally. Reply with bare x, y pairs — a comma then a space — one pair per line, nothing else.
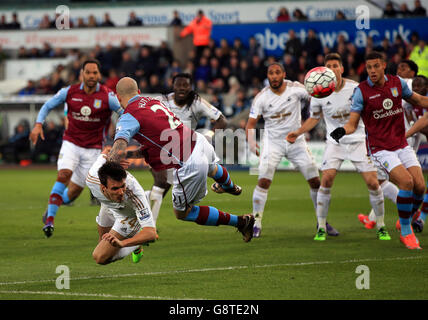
418, 100
251, 135
418, 125
308, 125
146, 235
118, 151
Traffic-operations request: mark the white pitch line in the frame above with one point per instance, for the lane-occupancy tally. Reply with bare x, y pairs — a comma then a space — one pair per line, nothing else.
98, 295
294, 264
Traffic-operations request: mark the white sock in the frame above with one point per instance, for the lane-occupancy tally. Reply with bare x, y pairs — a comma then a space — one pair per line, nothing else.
323, 204
123, 252
372, 215
259, 202
314, 195
390, 191
156, 197
376, 200
147, 192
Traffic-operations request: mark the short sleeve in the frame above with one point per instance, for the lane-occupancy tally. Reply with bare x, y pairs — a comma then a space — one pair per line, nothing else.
207, 109
315, 109
357, 103
406, 92
126, 127
256, 108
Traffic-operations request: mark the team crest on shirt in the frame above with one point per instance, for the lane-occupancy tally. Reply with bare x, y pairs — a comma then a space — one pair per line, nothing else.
387, 104
394, 92
386, 164
97, 103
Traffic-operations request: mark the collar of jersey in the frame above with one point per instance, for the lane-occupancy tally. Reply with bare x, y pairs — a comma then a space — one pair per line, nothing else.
97, 89
371, 83
134, 98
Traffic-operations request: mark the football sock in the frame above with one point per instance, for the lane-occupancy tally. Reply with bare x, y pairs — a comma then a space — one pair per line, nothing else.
376, 200
323, 204
390, 191
65, 199
417, 201
223, 178
314, 195
372, 215
259, 202
55, 198
404, 206
156, 197
424, 208
210, 216
123, 252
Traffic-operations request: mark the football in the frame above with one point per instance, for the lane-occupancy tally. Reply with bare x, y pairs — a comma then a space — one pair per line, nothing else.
320, 82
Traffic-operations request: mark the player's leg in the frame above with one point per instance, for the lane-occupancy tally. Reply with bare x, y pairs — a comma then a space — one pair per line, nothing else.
270, 157
223, 182
323, 202
158, 191
424, 208
105, 221
418, 197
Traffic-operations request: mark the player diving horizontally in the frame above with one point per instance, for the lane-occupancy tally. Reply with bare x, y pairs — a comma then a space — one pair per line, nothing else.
90, 107
166, 143
189, 107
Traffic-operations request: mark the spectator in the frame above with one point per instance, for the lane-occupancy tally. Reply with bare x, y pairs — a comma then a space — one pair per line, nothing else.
419, 11
420, 56
47, 150
146, 64
313, 47
234, 67
239, 47
164, 55
201, 28
46, 51
112, 80
404, 11
290, 67
107, 21
214, 69
155, 85
254, 48
22, 53
53, 21
389, 11
244, 76
18, 145
283, 15
340, 15
3, 54
33, 53
134, 21
92, 22
3, 22
30, 89
45, 23
176, 20
241, 103
44, 87
128, 66
224, 46
298, 15
202, 71
257, 70
15, 24
81, 23
293, 45
56, 82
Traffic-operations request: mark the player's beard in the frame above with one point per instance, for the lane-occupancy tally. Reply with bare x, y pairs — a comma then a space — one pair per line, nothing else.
277, 86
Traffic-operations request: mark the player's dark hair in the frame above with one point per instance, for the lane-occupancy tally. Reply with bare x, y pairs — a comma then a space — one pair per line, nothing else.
276, 64
92, 61
333, 56
374, 55
193, 95
421, 78
112, 170
412, 65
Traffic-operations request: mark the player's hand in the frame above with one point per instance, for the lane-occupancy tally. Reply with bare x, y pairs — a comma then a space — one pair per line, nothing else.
254, 148
36, 132
115, 242
125, 163
407, 135
338, 133
106, 150
292, 136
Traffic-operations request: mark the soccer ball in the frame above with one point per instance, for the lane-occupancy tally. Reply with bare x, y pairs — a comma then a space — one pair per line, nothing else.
320, 82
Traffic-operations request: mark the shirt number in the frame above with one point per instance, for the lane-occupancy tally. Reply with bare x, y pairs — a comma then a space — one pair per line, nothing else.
173, 123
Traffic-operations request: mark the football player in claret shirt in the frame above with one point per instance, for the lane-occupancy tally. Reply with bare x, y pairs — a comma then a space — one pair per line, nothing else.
90, 107
377, 101
167, 143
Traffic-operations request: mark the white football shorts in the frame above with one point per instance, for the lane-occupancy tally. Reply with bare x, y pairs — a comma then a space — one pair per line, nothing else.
190, 181
335, 154
77, 159
388, 160
297, 153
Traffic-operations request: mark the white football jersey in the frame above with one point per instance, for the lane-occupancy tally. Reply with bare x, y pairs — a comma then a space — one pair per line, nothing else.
336, 110
191, 115
415, 140
281, 113
134, 205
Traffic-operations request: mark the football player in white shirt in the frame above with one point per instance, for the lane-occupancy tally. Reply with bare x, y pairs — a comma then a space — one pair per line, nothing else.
189, 107
280, 104
125, 221
336, 110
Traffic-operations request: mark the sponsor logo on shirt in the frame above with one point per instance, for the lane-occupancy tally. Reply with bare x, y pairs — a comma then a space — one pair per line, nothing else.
387, 104
85, 111
375, 96
381, 113
77, 99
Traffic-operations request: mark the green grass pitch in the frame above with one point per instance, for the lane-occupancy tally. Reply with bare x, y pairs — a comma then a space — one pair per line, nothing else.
197, 262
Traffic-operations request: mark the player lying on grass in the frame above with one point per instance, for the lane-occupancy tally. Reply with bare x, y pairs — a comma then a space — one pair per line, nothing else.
125, 221
167, 143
